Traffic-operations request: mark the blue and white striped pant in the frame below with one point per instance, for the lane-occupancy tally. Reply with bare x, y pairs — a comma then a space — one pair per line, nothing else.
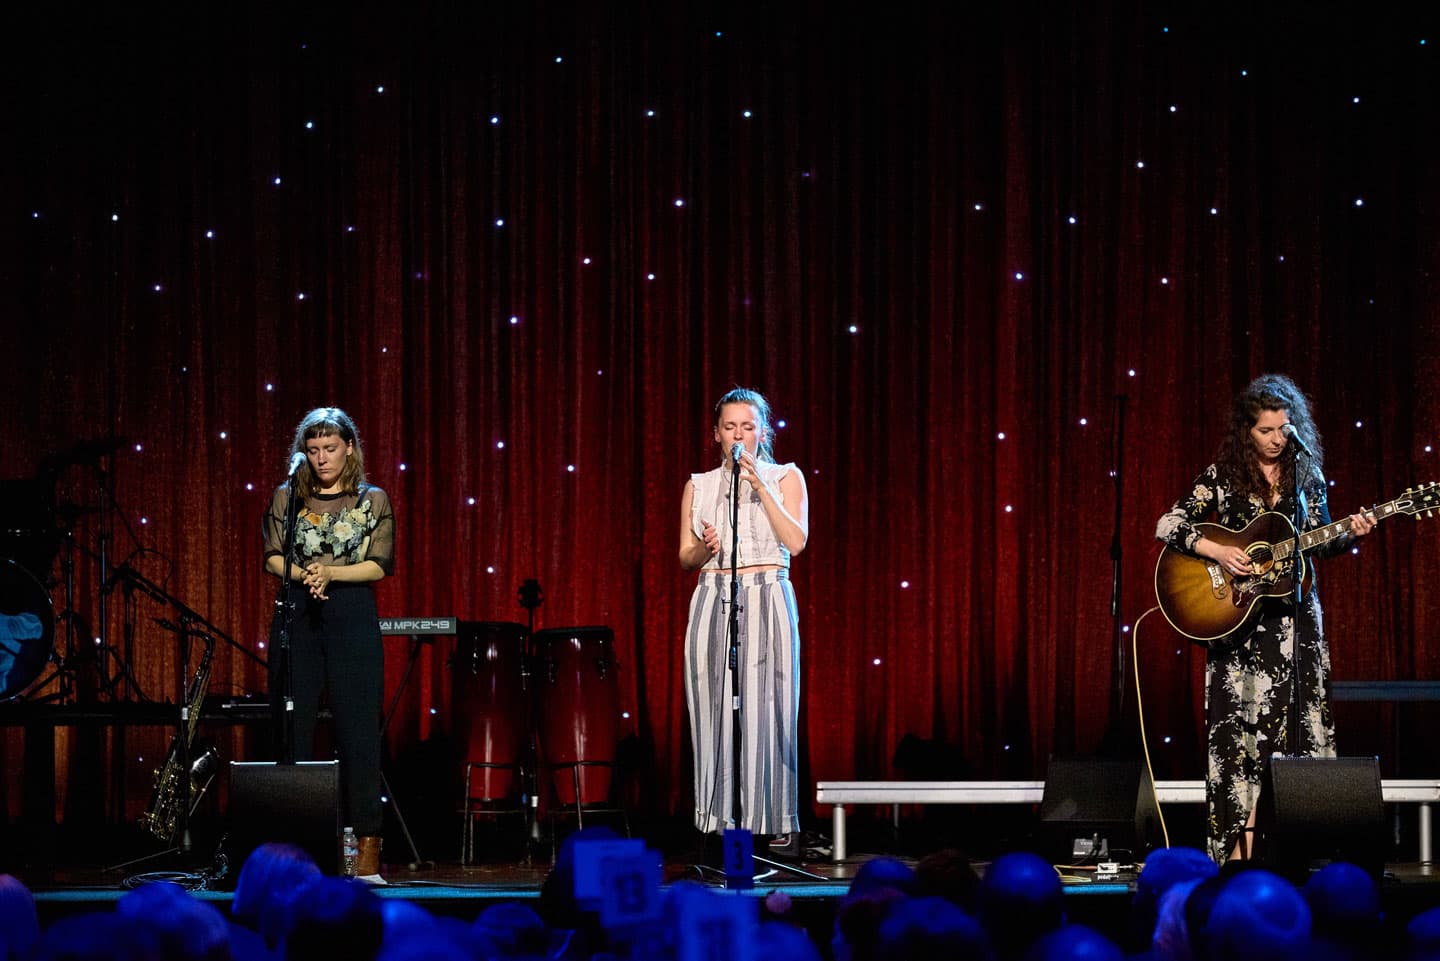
769, 701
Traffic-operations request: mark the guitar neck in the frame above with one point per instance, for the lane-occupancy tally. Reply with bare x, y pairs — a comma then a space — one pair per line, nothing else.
1320, 536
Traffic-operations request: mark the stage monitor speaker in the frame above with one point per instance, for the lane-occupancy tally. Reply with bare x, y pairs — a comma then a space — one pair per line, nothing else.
1097, 809
293, 803
1313, 810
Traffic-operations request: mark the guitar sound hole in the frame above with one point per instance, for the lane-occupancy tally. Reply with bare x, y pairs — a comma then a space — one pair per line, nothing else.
1261, 559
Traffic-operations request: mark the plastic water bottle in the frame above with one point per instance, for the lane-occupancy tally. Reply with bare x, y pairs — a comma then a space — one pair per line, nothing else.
351, 848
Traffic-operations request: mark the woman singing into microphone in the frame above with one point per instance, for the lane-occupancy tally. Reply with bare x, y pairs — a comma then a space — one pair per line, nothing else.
773, 527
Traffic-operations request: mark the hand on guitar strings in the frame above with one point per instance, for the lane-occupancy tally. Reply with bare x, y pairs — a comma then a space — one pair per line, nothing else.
1235, 561
1362, 523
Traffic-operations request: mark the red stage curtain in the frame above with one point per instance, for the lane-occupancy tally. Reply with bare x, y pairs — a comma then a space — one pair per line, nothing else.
867, 216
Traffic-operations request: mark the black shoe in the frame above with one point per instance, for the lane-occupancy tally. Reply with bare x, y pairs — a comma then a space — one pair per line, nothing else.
800, 846
711, 850
817, 847
786, 847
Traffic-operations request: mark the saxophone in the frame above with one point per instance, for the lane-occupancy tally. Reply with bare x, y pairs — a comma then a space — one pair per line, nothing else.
174, 786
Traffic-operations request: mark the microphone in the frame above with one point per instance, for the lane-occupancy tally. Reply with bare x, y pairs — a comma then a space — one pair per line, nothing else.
736, 451
297, 461
1294, 437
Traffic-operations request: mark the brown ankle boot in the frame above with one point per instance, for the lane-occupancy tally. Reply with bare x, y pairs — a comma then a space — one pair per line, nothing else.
368, 863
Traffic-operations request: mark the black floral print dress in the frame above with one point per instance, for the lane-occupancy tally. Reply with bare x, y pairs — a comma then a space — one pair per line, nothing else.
1247, 678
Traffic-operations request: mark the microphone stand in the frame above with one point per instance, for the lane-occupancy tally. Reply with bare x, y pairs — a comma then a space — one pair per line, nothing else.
1292, 740
285, 608
734, 633
734, 661
1118, 476
1297, 597
132, 579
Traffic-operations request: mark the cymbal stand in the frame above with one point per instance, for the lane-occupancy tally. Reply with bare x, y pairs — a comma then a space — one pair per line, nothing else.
64, 662
120, 685
127, 630
104, 492
64, 665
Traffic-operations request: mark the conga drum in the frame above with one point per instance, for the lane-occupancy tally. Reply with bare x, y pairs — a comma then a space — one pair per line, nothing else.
490, 706
579, 710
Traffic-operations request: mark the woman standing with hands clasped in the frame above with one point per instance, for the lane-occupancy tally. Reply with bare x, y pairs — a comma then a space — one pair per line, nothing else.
344, 543
773, 527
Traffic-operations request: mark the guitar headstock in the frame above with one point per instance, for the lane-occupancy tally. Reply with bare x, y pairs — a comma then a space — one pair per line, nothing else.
1423, 500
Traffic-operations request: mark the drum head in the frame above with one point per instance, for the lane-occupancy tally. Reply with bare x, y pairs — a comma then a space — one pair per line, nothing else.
27, 629
575, 635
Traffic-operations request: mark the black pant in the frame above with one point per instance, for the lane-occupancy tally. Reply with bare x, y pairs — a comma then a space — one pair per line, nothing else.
336, 644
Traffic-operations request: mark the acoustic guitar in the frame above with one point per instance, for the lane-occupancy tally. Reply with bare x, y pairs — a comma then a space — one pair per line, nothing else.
1209, 605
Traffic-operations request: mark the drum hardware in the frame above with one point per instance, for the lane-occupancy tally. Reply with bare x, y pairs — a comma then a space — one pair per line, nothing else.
68, 658
569, 722
28, 533
184, 777
29, 541
71, 657
531, 595
491, 725
471, 812
34, 529
496, 752
38, 529
49, 528
579, 728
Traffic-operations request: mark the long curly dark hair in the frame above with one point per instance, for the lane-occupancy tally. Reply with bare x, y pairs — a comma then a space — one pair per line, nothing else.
1236, 462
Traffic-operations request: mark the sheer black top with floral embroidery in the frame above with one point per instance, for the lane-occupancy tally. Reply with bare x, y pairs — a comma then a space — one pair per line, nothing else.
336, 529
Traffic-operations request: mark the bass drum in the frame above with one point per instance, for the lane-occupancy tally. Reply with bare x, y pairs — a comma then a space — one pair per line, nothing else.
490, 706
27, 629
580, 710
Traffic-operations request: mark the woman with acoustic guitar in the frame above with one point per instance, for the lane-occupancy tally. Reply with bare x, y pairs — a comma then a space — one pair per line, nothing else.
1248, 682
